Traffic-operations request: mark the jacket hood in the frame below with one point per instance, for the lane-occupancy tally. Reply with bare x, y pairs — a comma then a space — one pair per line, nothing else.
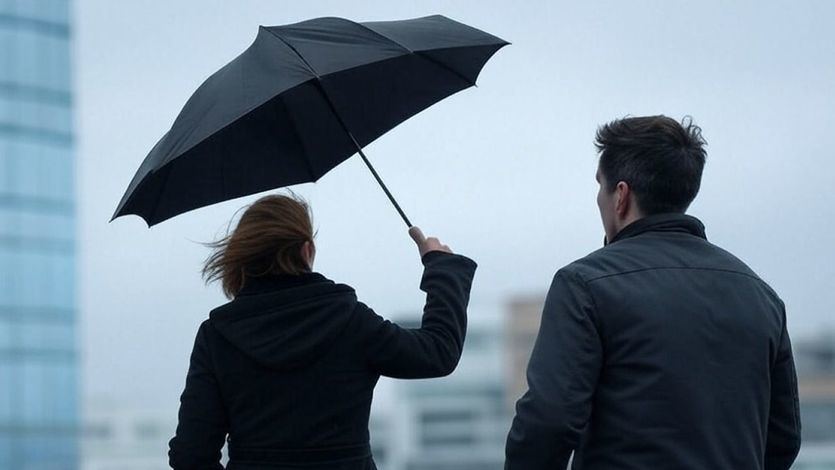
286, 322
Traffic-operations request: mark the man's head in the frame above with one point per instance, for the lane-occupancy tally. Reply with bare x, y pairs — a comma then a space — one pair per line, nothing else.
648, 165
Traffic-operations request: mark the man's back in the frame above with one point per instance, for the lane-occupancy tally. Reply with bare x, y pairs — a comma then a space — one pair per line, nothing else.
659, 351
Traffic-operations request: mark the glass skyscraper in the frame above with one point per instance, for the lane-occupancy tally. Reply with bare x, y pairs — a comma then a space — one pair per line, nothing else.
38, 351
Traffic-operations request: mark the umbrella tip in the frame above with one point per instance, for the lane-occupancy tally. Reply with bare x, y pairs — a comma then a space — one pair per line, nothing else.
117, 215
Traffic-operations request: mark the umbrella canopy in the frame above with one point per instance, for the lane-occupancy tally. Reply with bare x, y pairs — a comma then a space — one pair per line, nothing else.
299, 101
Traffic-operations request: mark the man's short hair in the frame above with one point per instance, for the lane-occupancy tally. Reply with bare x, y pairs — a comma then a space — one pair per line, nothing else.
659, 158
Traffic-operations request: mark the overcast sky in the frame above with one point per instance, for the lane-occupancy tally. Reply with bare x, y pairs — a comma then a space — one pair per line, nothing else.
503, 173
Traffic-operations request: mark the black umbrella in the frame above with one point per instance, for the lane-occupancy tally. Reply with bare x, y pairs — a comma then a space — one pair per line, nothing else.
300, 100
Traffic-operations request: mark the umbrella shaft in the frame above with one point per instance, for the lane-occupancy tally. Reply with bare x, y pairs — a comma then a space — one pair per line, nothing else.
344, 126
380, 181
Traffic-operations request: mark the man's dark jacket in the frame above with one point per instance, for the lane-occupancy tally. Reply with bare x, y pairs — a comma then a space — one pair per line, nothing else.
288, 368
660, 350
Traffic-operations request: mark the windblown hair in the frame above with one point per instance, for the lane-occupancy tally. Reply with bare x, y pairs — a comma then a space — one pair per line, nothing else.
268, 240
659, 158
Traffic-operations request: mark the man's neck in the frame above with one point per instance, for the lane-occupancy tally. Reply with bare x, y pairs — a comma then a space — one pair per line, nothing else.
629, 219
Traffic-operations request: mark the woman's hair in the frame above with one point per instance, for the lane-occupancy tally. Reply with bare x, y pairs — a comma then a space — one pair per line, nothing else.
268, 240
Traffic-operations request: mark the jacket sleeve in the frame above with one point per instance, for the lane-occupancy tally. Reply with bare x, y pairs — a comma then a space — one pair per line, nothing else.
434, 349
203, 422
783, 439
562, 375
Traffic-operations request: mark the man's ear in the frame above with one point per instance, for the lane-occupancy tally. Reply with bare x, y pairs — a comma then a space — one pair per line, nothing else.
623, 199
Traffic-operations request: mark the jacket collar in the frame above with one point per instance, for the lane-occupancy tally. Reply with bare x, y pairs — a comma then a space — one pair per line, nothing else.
668, 222
275, 282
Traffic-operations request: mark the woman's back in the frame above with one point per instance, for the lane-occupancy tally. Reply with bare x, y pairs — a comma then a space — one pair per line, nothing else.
288, 368
281, 355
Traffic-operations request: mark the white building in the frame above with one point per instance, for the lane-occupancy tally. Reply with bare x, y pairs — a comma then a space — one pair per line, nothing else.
815, 361
115, 437
458, 422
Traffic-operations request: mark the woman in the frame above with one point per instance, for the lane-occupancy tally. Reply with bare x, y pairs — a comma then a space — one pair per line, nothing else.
287, 368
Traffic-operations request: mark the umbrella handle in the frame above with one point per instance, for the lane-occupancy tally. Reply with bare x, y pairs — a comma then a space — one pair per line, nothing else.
380, 181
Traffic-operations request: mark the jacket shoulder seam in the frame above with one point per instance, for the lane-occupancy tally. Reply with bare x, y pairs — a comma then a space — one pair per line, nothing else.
685, 268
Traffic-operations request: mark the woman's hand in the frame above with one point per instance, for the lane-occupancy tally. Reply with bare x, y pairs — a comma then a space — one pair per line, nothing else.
425, 245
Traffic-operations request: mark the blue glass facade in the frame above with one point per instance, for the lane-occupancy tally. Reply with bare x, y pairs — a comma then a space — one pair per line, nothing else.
38, 351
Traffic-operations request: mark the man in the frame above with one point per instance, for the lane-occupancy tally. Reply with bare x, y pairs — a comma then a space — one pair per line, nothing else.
659, 350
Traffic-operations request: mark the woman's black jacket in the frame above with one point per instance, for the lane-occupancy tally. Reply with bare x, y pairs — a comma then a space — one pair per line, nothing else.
287, 369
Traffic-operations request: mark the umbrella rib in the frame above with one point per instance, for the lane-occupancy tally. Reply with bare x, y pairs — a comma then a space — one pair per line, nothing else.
304, 61
310, 68
308, 163
446, 67
423, 56
162, 187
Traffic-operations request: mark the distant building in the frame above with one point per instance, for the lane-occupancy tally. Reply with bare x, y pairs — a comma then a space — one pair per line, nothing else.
453, 423
816, 382
815, 361
38, 349
118, 437
521, 325
381, 438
